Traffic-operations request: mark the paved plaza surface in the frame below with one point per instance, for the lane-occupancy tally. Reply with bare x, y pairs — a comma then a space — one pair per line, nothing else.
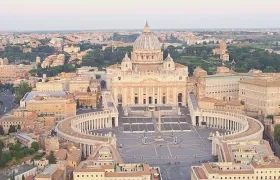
174, 153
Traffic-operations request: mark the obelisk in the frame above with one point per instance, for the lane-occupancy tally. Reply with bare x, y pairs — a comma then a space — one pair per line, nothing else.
159, 138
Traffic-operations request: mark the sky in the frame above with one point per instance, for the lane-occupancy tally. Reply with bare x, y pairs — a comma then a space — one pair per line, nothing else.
21, 15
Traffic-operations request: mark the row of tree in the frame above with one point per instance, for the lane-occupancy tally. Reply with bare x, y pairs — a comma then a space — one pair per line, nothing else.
20, 91
53, 71
14, 53
248, 57
16, 151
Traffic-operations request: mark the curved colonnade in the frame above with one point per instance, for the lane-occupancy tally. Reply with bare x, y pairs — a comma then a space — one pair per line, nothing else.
77, 129
238, 127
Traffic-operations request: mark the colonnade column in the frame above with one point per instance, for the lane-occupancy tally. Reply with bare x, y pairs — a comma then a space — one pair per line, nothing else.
88, 150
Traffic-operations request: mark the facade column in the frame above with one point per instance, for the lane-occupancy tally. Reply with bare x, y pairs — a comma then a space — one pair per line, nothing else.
159, 95
146, 92
153, 96
124, 99
139, 96
175, 94
132, 95
167, 96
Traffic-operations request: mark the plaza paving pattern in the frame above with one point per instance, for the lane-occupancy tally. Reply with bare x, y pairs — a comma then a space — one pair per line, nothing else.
174, 157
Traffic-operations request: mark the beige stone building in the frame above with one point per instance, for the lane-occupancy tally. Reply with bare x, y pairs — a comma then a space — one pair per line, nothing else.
224, 85
53, 172
71, 49
105, 163
214, 104
70, 156
252, 160
60, 106
69, 83
7, 73
147, 78
58, 85
59, 60
51, 144
25, 120
261, 95
79, 84
87, 98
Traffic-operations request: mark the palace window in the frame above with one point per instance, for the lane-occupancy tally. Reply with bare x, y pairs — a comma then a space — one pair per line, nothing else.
119, 78
180, 78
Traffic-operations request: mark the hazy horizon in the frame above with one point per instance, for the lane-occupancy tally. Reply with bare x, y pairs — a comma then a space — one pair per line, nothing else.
55, 15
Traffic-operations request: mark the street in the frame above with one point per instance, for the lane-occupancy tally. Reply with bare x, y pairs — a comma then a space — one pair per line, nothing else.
6, 102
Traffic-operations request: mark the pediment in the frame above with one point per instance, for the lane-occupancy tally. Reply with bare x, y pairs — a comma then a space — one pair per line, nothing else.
150, 80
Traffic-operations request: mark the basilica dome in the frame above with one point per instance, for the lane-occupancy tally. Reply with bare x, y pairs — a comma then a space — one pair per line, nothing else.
147, 41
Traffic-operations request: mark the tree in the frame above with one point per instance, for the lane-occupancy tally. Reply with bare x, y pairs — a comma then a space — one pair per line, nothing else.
5, 158
12, 129
21, 90
1, 130
51, 158
277, 132
88, 89
35, 146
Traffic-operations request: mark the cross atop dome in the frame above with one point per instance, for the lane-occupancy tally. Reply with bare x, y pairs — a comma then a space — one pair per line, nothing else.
147, 28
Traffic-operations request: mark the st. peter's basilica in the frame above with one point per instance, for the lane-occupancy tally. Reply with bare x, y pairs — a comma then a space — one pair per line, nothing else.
147, 78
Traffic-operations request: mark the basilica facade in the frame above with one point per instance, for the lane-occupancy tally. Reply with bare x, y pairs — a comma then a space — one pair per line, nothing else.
146, 78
